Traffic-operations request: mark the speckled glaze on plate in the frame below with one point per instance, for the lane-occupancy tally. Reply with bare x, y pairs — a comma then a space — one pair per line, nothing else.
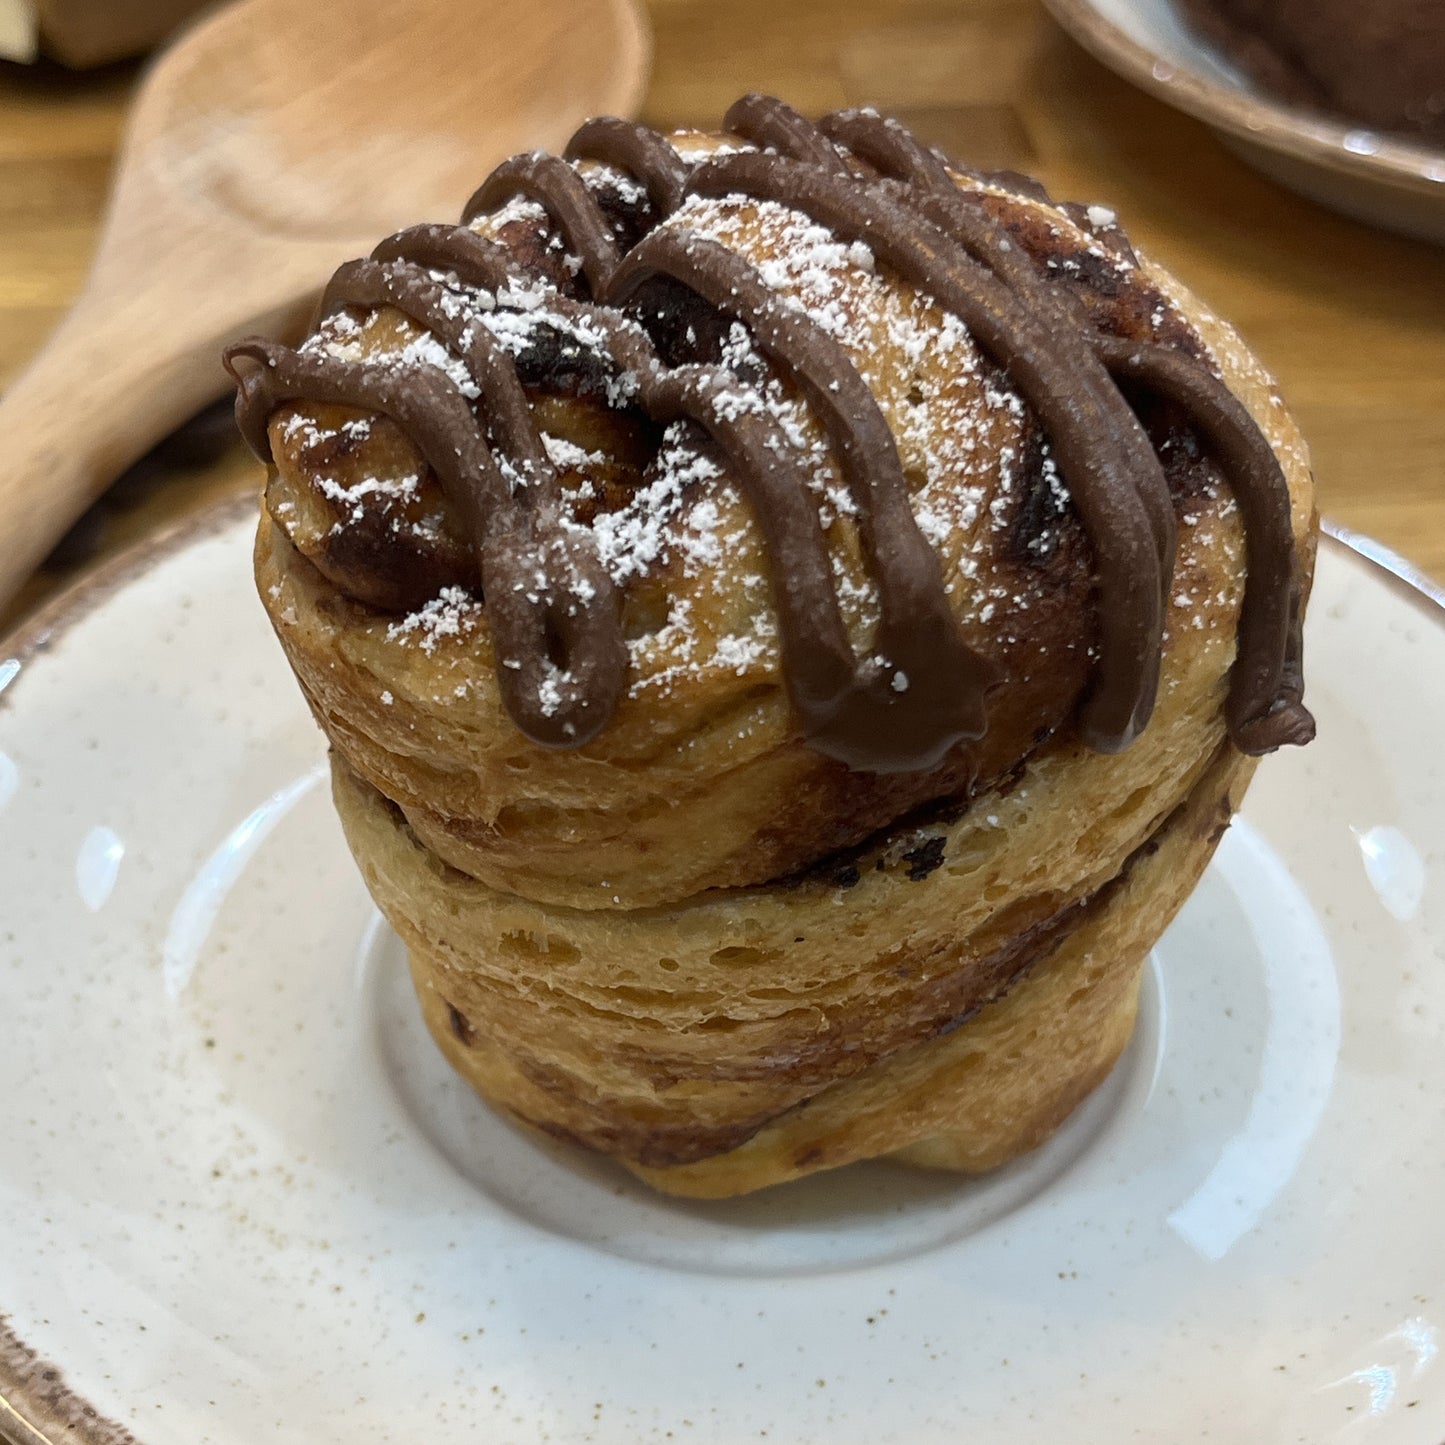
1387, 180
242, 1199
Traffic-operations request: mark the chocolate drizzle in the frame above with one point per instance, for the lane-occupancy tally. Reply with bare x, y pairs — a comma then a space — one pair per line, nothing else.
473, 259
557, 187
1051, 373
640, 152
551, 605
917, 634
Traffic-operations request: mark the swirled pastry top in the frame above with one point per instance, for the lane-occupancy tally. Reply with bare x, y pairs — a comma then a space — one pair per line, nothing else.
791, 405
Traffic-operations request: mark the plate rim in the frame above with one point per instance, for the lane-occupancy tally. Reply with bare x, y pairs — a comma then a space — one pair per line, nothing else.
34, 1395
33, 632
1303, 134
31, 1387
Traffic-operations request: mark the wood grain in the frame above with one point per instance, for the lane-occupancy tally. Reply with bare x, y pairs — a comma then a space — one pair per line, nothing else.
1352, 321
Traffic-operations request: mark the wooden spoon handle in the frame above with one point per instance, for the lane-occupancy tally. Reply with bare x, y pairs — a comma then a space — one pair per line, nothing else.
101, 393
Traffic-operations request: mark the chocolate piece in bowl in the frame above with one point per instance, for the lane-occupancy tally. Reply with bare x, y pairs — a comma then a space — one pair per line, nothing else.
1381, 63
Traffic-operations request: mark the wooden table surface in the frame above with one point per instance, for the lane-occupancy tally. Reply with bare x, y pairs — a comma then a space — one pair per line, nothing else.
1350, 320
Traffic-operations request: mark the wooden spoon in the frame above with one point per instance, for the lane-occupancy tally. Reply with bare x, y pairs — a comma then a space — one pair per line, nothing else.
269, 144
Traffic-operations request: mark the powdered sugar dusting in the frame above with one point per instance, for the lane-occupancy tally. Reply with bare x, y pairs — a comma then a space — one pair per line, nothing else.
964, 437
451, 613
637, 536
568, 456
894, 336
353, 498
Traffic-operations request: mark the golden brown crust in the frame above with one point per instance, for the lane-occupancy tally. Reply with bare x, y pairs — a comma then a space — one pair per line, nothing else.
697, 945
711, 1016
1001, 1085
723, 1067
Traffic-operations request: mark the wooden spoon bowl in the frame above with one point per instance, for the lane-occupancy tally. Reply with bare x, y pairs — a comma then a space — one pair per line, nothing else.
268, 144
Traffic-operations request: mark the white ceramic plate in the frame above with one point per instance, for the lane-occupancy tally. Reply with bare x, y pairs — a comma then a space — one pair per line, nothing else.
241, 1199
1384, 179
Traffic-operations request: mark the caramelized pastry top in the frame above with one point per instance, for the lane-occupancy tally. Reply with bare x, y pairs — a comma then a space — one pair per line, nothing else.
620, 356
